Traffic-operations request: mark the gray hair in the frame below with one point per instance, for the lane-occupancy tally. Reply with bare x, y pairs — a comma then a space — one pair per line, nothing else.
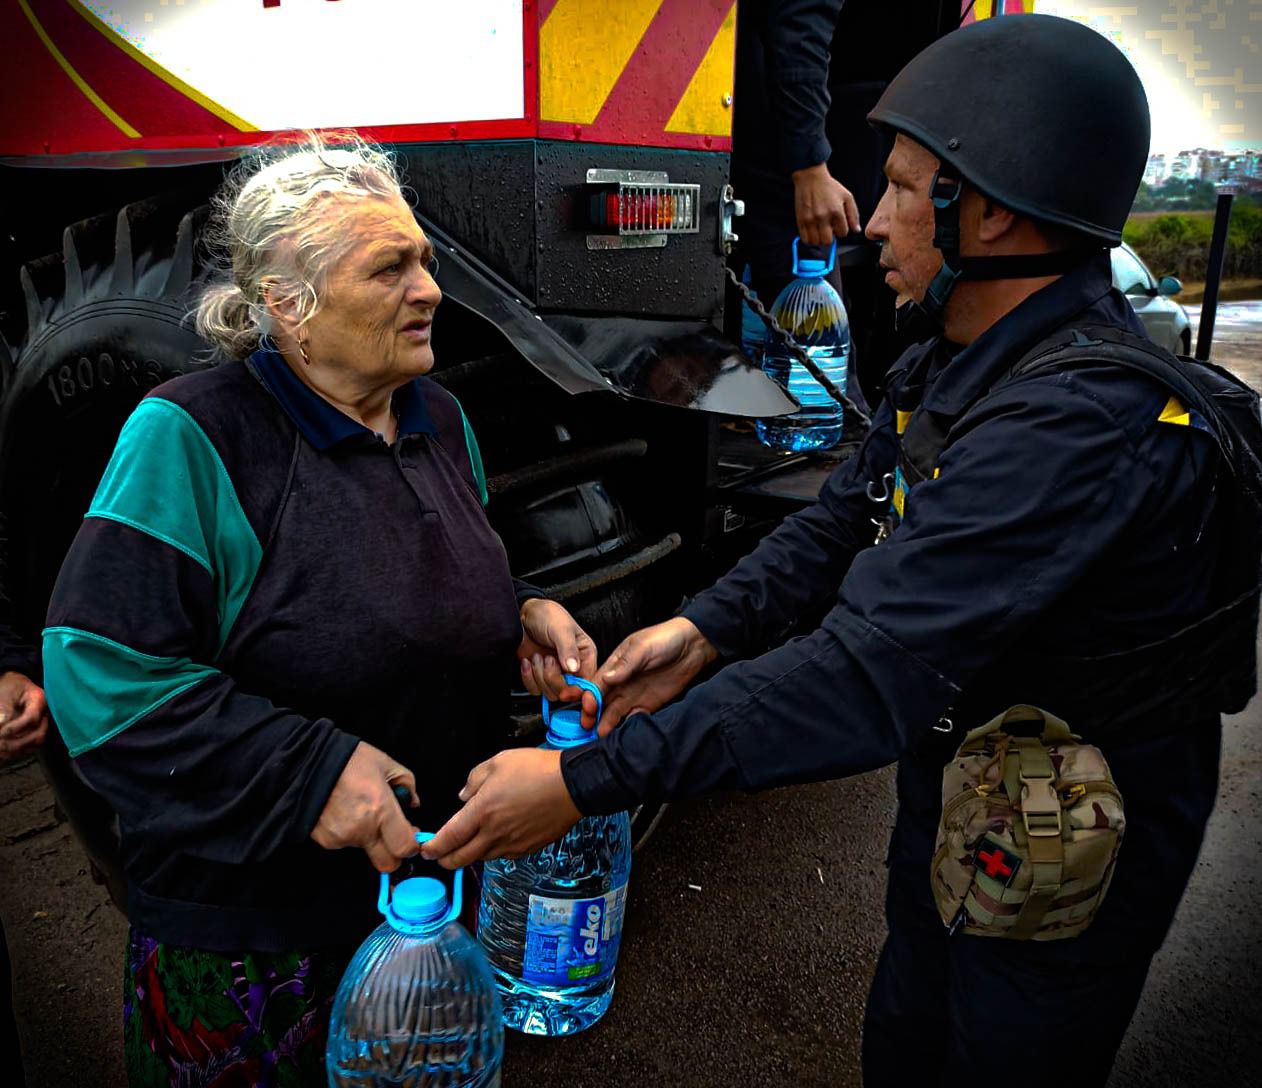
266, 239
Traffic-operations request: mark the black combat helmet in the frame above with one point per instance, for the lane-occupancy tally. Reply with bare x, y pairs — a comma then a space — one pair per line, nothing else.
1041, 114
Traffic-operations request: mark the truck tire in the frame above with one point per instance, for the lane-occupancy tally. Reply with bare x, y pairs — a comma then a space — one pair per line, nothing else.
106, 321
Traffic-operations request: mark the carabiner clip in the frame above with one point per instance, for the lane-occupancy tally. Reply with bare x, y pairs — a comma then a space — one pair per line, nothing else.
886, 483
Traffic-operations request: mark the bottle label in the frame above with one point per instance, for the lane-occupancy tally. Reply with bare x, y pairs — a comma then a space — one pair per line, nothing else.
572, 942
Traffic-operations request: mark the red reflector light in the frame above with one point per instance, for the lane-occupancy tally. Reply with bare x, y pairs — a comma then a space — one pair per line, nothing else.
640, 210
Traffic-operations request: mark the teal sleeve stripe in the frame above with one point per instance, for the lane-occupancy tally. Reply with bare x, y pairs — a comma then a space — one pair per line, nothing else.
167, 479
97, 687
475, 455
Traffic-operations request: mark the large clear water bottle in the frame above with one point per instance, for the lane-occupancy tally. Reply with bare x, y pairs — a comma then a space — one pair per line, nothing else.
551, 922
417, 1007
811, 311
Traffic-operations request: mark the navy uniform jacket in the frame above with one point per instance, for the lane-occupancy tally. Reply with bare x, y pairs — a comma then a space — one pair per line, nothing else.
1065, 513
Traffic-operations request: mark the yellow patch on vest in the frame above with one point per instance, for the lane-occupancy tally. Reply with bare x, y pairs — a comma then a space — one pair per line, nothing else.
1175, 413
937, 472
903, 418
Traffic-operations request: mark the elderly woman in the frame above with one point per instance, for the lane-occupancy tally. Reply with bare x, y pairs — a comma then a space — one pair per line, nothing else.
285, 603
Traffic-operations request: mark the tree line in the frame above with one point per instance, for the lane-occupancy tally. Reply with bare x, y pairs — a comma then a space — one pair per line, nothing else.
1177, 243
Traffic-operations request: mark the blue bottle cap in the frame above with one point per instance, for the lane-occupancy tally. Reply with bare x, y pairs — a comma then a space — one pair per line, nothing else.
419, 899
811, 269
565, 729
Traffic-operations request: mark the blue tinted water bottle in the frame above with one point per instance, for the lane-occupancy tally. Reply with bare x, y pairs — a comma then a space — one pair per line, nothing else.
811, 311
417, 1005
551, 922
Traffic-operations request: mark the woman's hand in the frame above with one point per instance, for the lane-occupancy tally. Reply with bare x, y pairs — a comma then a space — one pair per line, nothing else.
515, 803
648, 669
553, 644
363, 811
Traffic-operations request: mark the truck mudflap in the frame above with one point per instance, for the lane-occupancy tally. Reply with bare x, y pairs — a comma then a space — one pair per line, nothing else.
683, 363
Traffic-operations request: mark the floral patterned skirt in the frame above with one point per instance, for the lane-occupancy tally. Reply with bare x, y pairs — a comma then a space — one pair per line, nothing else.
197, 1019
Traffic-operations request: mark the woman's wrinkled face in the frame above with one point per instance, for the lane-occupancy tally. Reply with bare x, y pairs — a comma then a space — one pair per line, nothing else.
377, 307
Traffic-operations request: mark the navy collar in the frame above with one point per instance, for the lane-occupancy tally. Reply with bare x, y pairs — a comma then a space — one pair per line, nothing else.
321, 424
975, 367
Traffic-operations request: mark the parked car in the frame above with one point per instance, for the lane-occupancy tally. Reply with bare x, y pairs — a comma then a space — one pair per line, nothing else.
1166, 321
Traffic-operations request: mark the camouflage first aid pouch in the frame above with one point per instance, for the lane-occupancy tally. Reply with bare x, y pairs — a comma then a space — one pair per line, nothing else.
1031, 825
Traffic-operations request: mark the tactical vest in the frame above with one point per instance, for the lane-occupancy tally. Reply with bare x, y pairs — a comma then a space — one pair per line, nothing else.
1208, 665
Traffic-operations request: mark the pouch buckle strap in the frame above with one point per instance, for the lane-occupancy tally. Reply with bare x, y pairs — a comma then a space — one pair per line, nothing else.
1040, 804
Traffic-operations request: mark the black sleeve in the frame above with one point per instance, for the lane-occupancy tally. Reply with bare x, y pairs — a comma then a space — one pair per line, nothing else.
524, 592
796, 50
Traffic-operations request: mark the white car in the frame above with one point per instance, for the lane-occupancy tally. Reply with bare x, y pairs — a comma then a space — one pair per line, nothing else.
1166, 321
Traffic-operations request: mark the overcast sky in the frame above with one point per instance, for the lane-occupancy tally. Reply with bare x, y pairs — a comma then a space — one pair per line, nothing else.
1200, 61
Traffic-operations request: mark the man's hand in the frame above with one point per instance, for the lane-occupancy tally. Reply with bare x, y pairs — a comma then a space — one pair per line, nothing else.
362, 809
24, 718
515, 803
553, 644
825, 208
648, 669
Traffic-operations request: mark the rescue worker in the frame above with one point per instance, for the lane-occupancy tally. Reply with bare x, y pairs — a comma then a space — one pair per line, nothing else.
1070, 529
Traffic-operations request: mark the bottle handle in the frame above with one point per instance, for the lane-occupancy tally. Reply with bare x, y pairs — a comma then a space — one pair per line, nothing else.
832, 256
453, 912
578, 682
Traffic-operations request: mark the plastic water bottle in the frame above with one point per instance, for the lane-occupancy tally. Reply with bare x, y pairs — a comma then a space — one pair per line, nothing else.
812, 312
753, 331
417, 1007
551, 922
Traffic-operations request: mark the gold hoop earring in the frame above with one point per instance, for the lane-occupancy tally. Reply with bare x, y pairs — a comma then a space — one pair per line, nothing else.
302, 350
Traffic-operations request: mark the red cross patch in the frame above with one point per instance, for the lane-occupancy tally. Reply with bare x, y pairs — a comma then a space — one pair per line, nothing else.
996, 862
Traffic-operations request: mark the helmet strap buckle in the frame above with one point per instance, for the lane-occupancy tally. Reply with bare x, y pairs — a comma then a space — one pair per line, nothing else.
945, 194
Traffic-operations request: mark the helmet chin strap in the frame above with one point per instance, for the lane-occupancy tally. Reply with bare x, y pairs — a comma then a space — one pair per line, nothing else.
945, 194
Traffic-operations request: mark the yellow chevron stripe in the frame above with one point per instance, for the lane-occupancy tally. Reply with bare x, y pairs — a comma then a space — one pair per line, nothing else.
75, 78
583, 47
701, 108
984, 9
1175, 413
119, 42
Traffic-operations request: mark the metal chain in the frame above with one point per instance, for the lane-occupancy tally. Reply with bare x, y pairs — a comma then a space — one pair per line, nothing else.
795, 349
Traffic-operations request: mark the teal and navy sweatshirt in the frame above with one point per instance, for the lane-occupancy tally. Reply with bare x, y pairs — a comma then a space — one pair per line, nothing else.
260, 583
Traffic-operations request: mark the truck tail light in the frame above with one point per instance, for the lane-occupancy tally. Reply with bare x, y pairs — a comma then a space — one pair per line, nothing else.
635, 208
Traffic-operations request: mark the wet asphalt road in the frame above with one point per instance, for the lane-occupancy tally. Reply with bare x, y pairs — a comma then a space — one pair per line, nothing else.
752, 932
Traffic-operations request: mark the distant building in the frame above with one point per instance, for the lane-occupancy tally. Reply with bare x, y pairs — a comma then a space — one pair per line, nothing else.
1237, 170
1184, 165
1213, 166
